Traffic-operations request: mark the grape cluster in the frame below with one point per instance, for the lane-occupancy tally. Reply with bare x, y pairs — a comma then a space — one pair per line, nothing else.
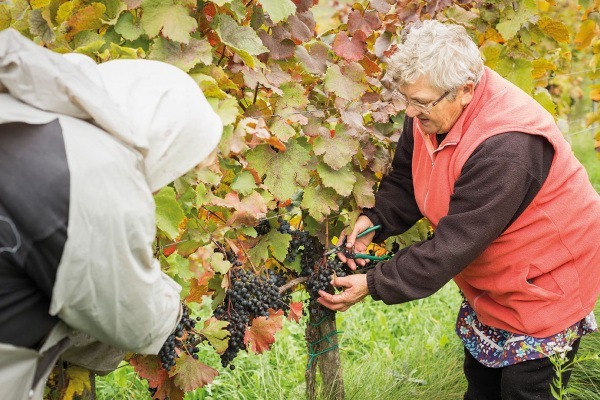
320, 279
249, 296
263, 227
302, 244
182, 339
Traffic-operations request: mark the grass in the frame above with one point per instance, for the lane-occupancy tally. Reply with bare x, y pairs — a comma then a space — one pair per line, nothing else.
407, 351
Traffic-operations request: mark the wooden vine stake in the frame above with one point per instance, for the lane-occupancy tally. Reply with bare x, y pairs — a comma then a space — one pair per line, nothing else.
322, 345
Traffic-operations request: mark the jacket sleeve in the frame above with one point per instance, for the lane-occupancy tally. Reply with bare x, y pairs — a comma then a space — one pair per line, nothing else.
108, 283
395, 207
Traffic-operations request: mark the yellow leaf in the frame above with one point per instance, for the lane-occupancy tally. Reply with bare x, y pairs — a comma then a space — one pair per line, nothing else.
64, 11
86, 18
595, 92
584, 37
540, 66
555, 29
35, 4
79, 382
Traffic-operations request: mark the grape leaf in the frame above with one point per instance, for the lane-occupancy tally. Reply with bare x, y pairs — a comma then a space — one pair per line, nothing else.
365, 23
78, 379
170, 20
338, 150
242, 39
218, 262
295, 312
278, 10
261, 334
5, 17
190, 374
86, 18
313, 57
149, 368
41, 25
319, 202
517, 71
247, 210
227, 109
294, 95
214, 330
555, 29
278, 244
127, 28
508, 28
279, 49
169, 213
363, 192
341, 180
244, 183
349, 48
179, 266
584, 36
300, 30
199, 287
347, 83
280, 169
184, 56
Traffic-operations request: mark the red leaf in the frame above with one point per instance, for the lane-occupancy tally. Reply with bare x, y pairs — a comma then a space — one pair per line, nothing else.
149, 368
351, 49
169, 250
190, 374
295, 311
261, 334
366, 23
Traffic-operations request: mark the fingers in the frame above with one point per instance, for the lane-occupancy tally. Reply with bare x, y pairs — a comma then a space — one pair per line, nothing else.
355, 290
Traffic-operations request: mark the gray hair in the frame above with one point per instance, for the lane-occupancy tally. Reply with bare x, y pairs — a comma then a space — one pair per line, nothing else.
444, 53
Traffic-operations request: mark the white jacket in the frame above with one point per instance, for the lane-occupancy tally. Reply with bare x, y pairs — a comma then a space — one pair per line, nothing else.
129, 127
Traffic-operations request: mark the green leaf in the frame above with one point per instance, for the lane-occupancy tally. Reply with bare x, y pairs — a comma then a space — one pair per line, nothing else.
342, 180
278, 10
241, 39
518, 71
543, 97
294, 95
168, 212
338, 150
320, 202
219, 263
216, 333
5, 17
227, 109
278, 244
127, 28
170, 20
280, 168
183, 56
179, 267
348, 84
363, 192
527, 9
244, 183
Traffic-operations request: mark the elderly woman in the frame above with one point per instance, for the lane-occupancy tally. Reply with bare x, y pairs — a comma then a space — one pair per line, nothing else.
515, 217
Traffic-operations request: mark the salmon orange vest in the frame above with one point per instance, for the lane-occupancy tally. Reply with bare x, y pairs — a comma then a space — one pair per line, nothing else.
542, 274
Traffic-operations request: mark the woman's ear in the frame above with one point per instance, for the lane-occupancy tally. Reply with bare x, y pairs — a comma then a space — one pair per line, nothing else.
467, 93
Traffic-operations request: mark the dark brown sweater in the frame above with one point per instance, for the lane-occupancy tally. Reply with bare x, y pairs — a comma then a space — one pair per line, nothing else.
497, 183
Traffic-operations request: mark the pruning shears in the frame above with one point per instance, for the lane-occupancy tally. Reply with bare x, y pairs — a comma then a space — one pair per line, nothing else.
340, 248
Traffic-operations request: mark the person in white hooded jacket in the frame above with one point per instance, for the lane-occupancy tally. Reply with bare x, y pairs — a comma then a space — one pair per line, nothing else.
82, 149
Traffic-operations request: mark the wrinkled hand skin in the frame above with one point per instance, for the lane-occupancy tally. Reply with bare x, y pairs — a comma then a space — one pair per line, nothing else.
354, 287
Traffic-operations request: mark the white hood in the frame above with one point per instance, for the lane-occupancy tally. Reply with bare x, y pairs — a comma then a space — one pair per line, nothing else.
150, 106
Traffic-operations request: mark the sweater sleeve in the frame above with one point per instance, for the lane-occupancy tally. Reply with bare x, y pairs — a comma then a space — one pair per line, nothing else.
498, 181
395, 208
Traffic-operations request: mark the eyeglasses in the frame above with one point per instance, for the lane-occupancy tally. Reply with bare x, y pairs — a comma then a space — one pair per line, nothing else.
423, 108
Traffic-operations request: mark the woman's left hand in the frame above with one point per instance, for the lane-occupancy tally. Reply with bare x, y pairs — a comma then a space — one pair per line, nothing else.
355, 289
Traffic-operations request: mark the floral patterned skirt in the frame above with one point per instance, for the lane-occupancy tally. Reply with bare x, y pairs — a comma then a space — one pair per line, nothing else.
498, 348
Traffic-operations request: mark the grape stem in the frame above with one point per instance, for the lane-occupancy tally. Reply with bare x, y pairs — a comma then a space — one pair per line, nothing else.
292, 283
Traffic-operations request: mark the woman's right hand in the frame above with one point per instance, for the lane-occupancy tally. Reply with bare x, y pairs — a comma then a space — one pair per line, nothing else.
358, 245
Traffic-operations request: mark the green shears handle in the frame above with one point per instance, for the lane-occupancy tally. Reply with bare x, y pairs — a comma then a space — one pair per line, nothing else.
371, 257
368, 230
341, 248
